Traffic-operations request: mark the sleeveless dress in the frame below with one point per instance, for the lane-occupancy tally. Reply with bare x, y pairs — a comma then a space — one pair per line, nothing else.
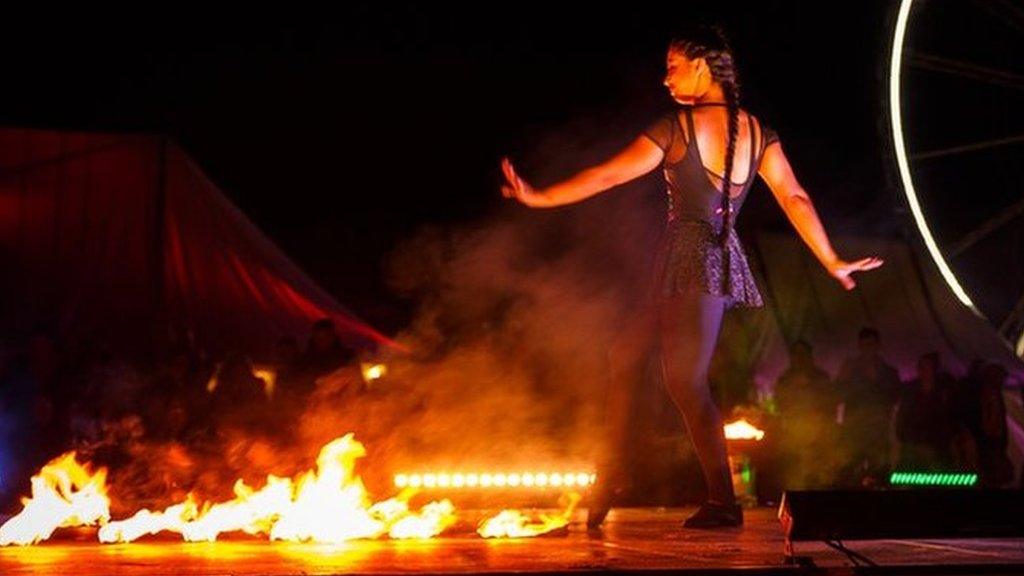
690, 255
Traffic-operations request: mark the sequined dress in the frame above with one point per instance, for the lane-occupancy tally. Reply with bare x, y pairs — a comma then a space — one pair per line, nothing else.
690, 254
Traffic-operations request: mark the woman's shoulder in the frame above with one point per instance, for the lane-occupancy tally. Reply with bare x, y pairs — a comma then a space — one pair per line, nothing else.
768, 133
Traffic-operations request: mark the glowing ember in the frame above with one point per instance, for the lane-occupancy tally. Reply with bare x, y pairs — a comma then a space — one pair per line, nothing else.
64, 494
494, 480
515, 524
742, 430
269, 377
373, 372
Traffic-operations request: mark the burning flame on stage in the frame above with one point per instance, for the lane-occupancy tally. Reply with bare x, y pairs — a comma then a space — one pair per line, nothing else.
328, 504
742, 430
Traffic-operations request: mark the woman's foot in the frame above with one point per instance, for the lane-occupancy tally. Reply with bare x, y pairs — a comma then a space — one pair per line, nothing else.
714, 515
610, 487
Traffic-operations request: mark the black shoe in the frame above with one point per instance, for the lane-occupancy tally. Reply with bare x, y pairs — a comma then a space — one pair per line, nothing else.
601, 499
711, 515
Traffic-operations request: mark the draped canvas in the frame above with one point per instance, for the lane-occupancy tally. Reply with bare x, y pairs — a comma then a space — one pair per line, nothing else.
117, 235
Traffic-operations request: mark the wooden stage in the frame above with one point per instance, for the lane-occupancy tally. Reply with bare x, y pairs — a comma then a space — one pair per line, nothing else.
632, 541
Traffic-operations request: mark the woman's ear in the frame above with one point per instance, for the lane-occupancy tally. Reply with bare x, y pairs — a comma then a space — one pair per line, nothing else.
700, 66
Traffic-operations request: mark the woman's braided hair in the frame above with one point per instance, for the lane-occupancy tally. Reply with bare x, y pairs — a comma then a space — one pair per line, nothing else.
710, 43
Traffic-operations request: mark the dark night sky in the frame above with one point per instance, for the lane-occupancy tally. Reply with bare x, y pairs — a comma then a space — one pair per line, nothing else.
341, 134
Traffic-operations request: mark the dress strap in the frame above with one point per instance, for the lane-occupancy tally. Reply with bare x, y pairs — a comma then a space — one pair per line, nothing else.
753, 155
691, 134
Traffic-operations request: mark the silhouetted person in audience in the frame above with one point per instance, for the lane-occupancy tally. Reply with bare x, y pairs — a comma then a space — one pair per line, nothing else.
805, 427
925, 420
324, 354
804, 388
868, 389
967, 413
994, 466
286, 362
239, 400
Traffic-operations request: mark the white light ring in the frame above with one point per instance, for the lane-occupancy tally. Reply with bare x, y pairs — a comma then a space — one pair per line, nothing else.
895, 70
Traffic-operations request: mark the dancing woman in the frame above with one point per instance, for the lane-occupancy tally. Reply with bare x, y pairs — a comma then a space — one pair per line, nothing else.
709, 149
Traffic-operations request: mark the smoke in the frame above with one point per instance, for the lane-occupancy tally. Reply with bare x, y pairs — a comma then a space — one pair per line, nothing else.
507, 363
515, 311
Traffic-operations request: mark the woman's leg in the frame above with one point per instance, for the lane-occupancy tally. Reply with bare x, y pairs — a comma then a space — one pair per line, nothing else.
627, 360
689, 330
628, 356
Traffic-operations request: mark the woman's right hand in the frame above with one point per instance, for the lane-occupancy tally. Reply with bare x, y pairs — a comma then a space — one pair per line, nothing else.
516, 187
843, 271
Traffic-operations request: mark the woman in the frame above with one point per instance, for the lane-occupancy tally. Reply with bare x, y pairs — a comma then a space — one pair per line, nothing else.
700, 268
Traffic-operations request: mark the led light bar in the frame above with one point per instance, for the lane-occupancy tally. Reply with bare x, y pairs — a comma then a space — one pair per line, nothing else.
478, 480
932, 479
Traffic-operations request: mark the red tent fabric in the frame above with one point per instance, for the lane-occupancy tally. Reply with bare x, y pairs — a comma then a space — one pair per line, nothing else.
119, 235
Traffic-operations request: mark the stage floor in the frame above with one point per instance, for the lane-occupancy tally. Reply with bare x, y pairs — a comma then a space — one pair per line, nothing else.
632, 540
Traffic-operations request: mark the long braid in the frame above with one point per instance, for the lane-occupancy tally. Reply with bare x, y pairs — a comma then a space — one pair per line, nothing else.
731, 90
710, 43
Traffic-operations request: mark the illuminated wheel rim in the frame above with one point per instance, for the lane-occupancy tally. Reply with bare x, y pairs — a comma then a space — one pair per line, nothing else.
929, 202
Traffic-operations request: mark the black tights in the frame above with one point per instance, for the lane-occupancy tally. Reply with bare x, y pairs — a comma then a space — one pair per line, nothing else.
686, 331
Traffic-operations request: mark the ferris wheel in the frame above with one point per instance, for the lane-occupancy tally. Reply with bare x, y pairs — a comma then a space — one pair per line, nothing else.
956, 102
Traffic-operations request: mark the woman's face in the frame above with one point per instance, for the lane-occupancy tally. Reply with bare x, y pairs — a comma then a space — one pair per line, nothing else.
685, 79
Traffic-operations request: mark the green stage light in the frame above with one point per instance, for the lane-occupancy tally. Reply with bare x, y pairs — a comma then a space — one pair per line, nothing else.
932, 479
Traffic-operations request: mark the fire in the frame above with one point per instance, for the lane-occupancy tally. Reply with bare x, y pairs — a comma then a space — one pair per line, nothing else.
372, 372
742, 430
65, 493
145, 522
330, 505
326, 505
514, 524
433, 519
251, 511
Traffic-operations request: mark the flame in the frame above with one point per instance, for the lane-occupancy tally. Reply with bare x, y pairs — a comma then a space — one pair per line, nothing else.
433, 519
373, 372
65, 493
251, 511
145, 522
330, 505
327, 505
515, 524
742, 430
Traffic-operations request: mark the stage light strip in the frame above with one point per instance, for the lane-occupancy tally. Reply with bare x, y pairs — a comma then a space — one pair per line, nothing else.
489, 480
895, 70
932, 479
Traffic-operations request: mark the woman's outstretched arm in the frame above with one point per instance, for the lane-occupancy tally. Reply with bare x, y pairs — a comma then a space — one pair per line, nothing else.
797, 205
638, 158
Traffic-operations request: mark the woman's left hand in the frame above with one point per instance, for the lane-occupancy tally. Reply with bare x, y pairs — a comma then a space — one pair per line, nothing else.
516, 187
843, 271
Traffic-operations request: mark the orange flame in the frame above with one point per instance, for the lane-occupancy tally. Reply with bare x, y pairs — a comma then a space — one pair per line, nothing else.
328, 505
252, 512
515, 524
65, 493
433, 519
742, 430
145, 522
